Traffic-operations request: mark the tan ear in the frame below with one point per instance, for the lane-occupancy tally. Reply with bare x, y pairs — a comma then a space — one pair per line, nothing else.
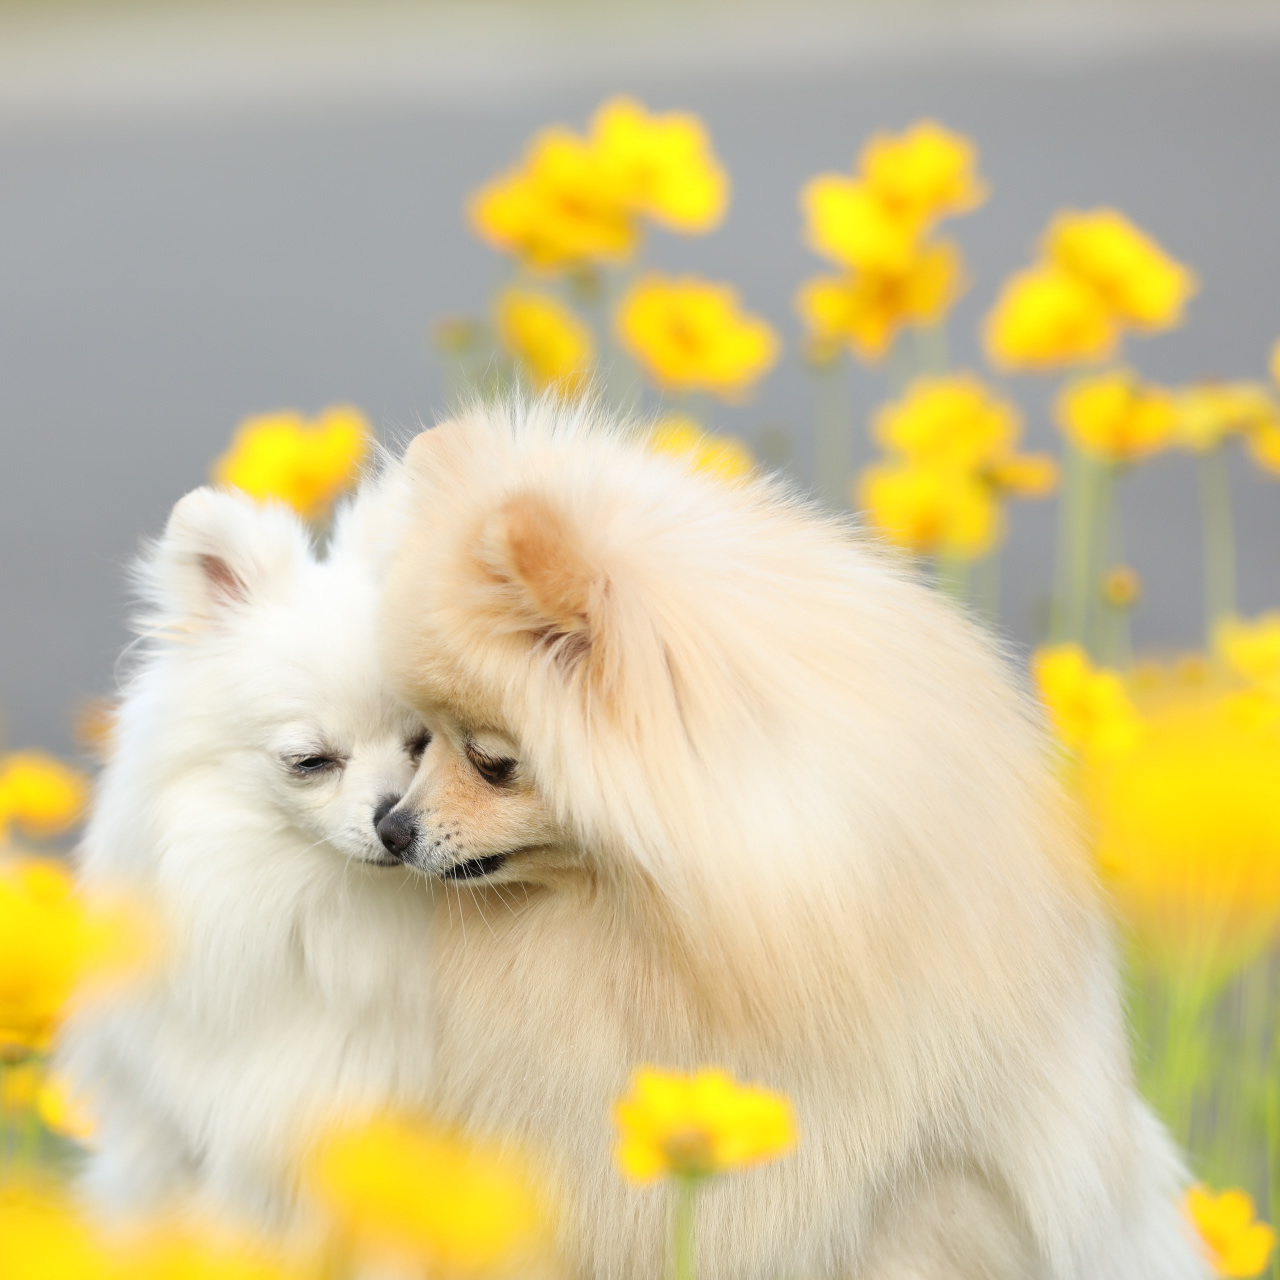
531, 545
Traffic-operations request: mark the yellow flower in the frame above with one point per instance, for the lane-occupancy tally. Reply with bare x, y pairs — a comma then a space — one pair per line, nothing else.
700, 1124
724, 456
1208, 412
1045, 318
661, 166
1188, 831
183, 1250
846, 221
1024, 475
1121, 587
930, 510
867, 309
405, 1190
40, 793
1138, 282
692, 335
552, 344
52, 942
925, 173
1251, 649
306, 465
948, 421
63, 1111
43, 1238
1235, 1244
1116, 417
1264, 446
1089, 708
559, 209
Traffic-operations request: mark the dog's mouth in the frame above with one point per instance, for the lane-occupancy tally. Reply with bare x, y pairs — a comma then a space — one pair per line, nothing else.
474, 868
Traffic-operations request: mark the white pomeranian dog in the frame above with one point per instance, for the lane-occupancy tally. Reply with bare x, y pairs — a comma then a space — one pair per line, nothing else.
256, 748
719, 783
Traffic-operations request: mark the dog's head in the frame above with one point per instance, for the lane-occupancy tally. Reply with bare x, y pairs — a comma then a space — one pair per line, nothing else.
270, 685
577, 621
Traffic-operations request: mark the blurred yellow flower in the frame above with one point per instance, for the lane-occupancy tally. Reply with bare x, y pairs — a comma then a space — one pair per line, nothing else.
948, 421
408, 1191
1208, 412
691, 335
867, 309
201, 1250
64, 1112
1045, 318
1089, 708
930, 510
40, 793
1235, 1243
1121, 586
306, 465
661, 166
42, 1237
954, 422
1251, 649
52, 944
558, 209
1264, 446
1138, 282
696, 1125
846, 221
724, 456
1188, 832
549, 340
1116, 417
923, 174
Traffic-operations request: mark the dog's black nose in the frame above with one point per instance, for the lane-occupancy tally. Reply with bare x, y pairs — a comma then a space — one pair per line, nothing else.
396, 829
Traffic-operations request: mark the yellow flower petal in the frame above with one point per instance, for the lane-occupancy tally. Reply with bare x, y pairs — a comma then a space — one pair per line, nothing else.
40, 793
1116, 417
550, 341
925, 173
692, 335
1209, 412
1089, 708
1045, 318
1235, 1245
661, 166
930, 510
724, 456
1138, 282
696, 1125
846, 221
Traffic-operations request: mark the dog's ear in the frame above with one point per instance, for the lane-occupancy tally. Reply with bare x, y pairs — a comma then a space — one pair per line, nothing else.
554, 588
221, 549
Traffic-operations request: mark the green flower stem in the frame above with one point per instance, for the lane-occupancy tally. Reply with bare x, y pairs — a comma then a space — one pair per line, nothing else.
933, 353
833, 434
1273, 1142
683, 1262
1219, 540
1070, 596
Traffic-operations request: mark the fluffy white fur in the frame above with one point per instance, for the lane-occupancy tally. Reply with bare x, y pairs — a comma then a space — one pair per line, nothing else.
772, 805
297, 974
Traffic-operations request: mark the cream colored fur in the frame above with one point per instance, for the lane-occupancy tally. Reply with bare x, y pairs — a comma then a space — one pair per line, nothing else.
776, 806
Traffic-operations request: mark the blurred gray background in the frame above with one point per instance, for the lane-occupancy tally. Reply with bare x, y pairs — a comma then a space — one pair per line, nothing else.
213, 210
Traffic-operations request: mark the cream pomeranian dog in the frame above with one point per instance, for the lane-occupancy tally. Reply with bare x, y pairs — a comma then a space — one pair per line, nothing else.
255, 750
718, 783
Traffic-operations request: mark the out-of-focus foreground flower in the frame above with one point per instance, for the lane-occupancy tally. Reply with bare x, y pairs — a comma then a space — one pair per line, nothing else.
40, 794
1116, 417
55, 944
409, 1193
305, 464
723, 456
696, 1125
1235, 1243
1090, 709
692, 335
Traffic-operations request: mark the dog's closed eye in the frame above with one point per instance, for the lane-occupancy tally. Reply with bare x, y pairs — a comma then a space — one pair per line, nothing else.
495, 771
311, 766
